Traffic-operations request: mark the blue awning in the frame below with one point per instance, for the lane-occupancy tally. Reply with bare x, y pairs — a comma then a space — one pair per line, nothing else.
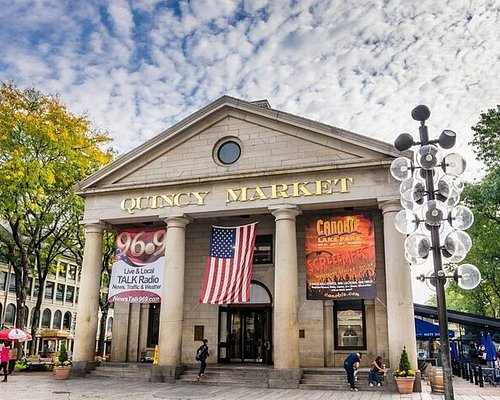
426, 330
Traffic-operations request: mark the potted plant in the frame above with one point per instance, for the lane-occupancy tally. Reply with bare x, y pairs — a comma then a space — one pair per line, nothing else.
404, 375
62, 366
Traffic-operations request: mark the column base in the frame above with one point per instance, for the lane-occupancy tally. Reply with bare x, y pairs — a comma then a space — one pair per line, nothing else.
82, 368
166, 373
284, 378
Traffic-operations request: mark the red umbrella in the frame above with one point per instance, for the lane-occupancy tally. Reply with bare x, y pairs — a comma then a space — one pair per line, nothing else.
14, 335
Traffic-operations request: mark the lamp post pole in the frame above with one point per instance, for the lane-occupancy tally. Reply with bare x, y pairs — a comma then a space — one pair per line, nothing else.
440, 278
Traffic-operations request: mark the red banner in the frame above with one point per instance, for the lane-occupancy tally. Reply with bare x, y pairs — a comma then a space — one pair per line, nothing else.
137, 274
340, 257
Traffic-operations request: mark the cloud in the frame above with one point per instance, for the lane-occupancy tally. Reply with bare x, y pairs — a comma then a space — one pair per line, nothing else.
139, 67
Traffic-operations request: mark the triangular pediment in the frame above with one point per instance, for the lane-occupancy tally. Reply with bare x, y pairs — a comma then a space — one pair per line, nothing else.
272, 142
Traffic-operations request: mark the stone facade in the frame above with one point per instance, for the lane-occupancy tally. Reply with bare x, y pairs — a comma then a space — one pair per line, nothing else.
290, 169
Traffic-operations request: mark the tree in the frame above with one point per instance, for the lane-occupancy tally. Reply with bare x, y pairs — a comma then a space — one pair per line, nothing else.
484, 200
44, 151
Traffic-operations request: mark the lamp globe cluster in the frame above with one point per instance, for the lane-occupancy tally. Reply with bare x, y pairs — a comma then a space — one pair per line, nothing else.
430, 194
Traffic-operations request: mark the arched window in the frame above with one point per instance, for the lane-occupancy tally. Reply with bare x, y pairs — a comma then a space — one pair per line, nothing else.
10, 314
46, 316
67, 321
109, 326
259, 294
57, 320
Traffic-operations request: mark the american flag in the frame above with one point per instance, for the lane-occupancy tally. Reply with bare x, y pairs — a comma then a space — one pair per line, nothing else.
229, 266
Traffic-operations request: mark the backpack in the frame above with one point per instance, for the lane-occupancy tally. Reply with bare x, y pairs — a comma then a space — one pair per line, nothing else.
199, 353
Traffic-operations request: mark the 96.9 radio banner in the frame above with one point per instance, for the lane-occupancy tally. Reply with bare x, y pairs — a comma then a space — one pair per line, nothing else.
340, 257
137, 274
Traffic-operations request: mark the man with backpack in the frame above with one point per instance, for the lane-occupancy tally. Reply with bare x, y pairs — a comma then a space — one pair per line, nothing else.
201, 356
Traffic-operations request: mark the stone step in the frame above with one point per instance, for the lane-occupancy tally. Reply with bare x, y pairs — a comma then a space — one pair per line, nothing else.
225, 375
123, 371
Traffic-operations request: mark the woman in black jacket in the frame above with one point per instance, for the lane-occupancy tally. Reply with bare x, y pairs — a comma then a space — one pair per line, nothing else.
201, 356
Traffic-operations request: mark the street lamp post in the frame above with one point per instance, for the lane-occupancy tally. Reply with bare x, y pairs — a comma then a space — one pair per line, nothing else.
433, 220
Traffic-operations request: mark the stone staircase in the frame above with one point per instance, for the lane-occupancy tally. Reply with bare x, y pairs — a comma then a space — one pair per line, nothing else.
231, 375
335, 379
116, 370
241, 375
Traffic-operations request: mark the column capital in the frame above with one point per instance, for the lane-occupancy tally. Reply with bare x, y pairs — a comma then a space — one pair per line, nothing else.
285, 211
93, 226
389, 205
177, 221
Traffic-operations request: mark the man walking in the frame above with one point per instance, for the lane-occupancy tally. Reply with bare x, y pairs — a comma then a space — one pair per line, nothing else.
349, 363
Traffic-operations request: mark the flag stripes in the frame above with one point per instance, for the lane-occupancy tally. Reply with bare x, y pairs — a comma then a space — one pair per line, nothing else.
229, 266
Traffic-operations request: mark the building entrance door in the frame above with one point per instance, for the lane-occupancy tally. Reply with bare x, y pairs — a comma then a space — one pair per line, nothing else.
245, 334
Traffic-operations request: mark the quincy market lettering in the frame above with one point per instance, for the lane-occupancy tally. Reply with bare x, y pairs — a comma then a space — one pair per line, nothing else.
242, 194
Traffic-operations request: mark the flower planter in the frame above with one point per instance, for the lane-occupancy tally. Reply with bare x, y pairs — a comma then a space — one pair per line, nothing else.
405, 384
62, 372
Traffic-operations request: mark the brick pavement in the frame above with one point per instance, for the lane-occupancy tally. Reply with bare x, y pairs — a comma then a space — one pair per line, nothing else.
43, 386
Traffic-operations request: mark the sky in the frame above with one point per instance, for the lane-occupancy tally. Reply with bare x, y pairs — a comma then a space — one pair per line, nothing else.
137, 67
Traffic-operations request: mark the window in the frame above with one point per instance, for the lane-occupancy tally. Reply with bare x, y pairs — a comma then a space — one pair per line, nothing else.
57, 320
60, 292
62, 270
36, 288
350, 327
67, 321
49, 290
109, 326
72, 272
70, 294
10, 314
263, 252
46, 316
227, 151
153, 325
3, 280
12, 283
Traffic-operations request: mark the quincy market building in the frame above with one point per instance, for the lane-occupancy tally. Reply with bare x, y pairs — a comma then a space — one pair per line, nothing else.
329, 274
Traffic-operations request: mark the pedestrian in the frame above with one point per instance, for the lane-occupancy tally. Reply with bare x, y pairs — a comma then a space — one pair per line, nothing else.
376, 368
349, 363
13, 358
201, 355
4, 359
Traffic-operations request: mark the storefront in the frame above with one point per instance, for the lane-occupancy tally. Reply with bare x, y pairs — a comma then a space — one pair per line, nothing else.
313, 190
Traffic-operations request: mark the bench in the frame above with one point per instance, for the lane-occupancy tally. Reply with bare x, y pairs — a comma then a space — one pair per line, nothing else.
39, 362
491, 376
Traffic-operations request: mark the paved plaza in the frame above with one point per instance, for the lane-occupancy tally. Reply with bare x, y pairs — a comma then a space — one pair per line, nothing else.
43, 386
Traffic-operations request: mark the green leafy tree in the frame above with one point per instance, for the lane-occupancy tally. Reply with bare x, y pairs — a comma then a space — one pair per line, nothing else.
44, 151
484, 200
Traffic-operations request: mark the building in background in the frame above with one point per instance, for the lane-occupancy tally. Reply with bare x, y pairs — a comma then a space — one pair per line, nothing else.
58, 310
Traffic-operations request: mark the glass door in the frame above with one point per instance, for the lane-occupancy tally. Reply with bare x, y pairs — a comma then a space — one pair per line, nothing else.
245, 335
223, 349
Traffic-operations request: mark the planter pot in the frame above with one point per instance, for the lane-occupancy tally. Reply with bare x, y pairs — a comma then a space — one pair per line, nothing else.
405, 385
62, 372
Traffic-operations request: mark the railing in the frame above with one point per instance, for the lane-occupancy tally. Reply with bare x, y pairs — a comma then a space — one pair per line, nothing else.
475, 373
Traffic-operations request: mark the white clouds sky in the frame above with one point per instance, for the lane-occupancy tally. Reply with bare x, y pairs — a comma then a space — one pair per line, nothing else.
137, 67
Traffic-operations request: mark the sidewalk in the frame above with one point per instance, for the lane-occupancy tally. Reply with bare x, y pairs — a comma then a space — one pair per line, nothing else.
43, 386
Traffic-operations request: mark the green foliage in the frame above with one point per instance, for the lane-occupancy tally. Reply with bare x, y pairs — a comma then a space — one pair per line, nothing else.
63, 359
483, 198
44, 151
21, 365
404, 366
487, 137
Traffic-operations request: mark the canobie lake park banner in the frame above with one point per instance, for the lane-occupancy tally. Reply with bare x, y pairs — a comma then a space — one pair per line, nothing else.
340, 257
137, 274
